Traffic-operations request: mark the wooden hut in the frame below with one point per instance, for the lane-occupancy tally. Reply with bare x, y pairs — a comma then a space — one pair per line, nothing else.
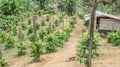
105, 22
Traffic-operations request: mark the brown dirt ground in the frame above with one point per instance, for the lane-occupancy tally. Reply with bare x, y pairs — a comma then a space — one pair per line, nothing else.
64, 57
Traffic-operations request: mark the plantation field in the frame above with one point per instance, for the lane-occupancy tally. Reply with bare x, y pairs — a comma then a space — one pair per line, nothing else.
54, 33
65, 57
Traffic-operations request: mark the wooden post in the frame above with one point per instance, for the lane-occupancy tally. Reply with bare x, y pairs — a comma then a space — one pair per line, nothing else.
19, 33
34, 26
50, 26
0, 53
92, 18
63, 24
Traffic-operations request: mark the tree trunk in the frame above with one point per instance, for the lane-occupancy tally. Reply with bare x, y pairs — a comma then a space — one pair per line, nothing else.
0, 53
34, 26
92, 18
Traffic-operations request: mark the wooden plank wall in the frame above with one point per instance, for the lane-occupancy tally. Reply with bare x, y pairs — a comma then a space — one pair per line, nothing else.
109, 24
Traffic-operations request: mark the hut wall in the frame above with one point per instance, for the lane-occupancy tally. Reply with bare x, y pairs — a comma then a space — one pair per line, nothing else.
109, 24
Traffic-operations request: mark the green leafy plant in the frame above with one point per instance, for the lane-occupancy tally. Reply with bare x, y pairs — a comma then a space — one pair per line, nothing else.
114, 38
50, 43
14, 31
42, 33
43, 23
21, 49
110, 37
56, 22
48, 18
3, 37
37, 49
67, 30
60, 37
37, 26
23, 25
32, 37
30, 30
9, 42
4, 63
29, 21
82, 48
71, 23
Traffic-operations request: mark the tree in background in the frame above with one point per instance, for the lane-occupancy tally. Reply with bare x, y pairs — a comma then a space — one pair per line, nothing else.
68, 6
43, 3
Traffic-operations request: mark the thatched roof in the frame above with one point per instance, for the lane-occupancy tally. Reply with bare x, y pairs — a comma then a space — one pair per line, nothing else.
101, 14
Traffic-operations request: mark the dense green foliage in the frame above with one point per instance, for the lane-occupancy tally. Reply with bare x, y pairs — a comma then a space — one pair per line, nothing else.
38, 48
14, 31
48, 18
82, 48
32, 37
43, 23
3, 63
50, 43
43, 3
42, 33
29, 21
61, 37
68, 6
3, 37
37, 26
107, 6
23, 25
30, 30
21, 49
9, 42
114, 38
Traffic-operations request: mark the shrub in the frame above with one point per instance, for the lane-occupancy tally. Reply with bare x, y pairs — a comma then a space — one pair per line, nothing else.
110, 37
29, 21
71, 23
48, 30
42, 33
30, 30
114, 38
37, 49
2, 36
50, 43
53, 27
14, 30
48, 18
32, 37
61, 17
82, 48
81, 14
67, 30
56, 22
21, 49
37, 26
3, 63
23, 25
43, 23
10, 42
60, 37
86, 22
21, 35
